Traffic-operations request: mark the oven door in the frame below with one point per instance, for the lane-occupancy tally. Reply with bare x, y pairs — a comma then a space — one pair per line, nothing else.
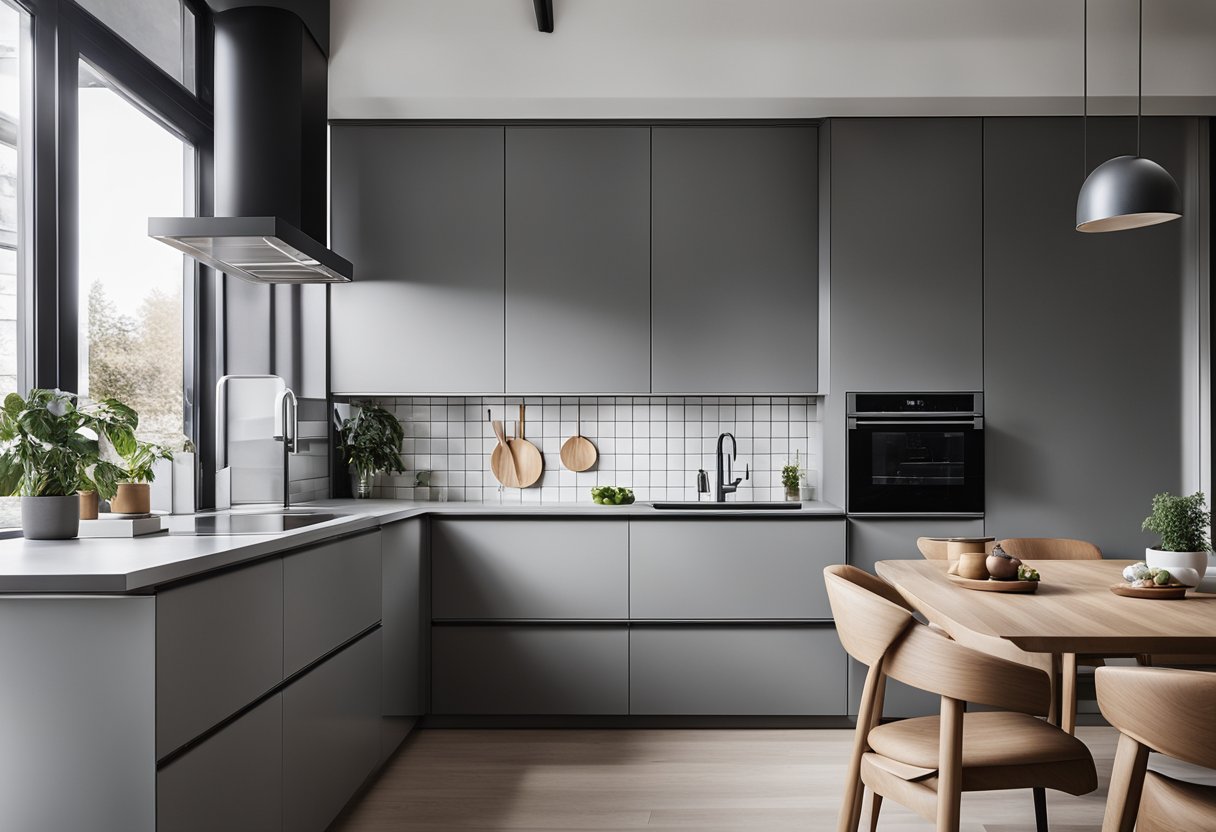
916, 467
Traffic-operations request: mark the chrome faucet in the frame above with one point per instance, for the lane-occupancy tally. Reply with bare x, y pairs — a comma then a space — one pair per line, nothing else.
251, 477
725, 472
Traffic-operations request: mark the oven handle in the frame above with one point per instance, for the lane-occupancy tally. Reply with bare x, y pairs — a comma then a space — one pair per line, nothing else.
977, 423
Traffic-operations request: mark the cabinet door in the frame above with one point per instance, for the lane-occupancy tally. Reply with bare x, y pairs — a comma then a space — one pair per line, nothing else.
578, 259
530, 569
736, 670
732, 569
907, 254
219, 646
331, 593
232, 781
419, 211
543, 669
406, 614
331, 734
734, 260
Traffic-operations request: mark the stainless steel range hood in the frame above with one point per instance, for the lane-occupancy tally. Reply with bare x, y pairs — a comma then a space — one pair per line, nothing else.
258, 249
270, 151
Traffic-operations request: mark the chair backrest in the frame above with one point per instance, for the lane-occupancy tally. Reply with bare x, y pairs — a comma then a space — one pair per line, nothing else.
1170, 711
932, 548
1050, 548
877, 628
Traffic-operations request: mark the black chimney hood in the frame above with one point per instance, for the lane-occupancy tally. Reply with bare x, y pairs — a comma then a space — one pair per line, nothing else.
271, 93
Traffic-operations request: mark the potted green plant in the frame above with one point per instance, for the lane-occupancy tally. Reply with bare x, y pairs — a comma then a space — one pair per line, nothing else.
50, 449
133, 495
1183, 523
371, 442
791, 478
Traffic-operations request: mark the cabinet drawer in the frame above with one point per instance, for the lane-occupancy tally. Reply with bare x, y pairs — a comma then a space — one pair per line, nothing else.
737, 671
544, 669
232, 781
331, 734
529, 569
219, 646
732, 569
331, 593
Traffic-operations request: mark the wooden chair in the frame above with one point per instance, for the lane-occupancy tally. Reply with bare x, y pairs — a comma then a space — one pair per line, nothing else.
1050, 548
928, 762
1169, 711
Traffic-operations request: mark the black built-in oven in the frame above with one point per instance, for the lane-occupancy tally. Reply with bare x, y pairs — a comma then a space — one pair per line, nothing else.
915, 453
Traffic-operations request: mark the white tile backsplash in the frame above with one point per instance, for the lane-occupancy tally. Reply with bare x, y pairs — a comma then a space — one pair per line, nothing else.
652, 444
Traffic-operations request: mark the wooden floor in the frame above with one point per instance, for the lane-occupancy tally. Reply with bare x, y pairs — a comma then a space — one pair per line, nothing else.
704, 780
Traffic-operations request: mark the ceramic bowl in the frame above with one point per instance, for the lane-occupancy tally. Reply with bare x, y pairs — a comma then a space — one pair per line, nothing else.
1188, 567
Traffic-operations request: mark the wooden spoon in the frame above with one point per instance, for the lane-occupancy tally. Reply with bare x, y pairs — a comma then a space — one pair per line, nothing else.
578, 454
502, 461
529, 464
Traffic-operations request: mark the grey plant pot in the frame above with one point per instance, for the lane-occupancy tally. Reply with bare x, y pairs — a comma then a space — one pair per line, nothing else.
50, 518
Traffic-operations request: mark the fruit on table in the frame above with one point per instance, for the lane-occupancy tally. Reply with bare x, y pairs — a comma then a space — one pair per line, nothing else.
1002, 566
1027, 573
611, 495
1142, 575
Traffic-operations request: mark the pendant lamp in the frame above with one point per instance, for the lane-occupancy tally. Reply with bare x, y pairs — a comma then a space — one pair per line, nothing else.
1126, 191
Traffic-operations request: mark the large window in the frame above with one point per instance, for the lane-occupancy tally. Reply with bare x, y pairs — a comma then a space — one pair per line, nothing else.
14, 82
131, 287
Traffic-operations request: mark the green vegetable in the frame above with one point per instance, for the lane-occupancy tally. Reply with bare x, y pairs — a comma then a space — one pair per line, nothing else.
611, 495
1161, 578
1027, 573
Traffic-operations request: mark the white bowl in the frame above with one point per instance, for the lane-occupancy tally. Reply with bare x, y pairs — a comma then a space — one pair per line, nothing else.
1187, 567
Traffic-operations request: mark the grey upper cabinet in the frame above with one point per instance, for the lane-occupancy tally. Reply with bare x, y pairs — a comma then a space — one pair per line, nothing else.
1090, 348
734, 258
578, 259
419, 212
907, 214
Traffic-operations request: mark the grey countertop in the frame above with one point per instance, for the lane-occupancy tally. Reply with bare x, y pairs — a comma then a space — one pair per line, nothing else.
127, 565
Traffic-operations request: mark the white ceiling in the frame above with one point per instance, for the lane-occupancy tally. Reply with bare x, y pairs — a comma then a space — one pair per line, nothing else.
763, 58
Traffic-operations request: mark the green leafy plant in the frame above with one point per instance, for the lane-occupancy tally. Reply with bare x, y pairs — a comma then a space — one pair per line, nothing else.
371, 441
791, 474
1182, 522
142, 459
50, 444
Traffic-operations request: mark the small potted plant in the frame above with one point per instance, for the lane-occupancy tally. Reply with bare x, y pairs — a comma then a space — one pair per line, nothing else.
1183, 524
791, 478
371, 442
50, 450
133, 494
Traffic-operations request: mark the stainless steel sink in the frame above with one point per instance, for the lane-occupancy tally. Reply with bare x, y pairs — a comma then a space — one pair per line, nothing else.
269, 522
712, 506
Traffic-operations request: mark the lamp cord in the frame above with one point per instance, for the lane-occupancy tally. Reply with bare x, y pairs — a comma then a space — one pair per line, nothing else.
1140, 77
1085, 90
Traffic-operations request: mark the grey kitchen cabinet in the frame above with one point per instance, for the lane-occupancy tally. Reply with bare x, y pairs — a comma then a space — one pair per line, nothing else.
219, 646
331, 593
1091, 340
406, 616
578, 259
233, 780
907, 234
734, 259
736, 670
331, 734
732, 569
418, 210
875, 539
530, 569
530, 669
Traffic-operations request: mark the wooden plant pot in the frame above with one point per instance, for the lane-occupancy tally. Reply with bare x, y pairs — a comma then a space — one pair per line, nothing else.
132, 498
88, 505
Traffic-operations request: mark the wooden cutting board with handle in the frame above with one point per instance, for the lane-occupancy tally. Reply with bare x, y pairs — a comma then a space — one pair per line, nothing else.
529, 464
578, 454
502, 461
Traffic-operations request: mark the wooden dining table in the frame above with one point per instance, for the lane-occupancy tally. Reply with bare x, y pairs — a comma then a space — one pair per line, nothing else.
1072, 612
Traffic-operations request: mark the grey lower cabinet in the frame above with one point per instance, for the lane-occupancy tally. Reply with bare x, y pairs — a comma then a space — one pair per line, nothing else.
419, 211
736, 670
545, 669
331, 734
754, 569
875, 539
233, 780
907, 312
734, 259
578, 259
507, 569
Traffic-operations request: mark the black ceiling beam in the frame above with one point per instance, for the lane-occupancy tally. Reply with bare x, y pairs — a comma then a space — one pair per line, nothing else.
544, 15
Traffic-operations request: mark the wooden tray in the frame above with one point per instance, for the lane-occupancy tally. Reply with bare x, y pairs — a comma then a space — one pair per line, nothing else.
1159, 593
994, 586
